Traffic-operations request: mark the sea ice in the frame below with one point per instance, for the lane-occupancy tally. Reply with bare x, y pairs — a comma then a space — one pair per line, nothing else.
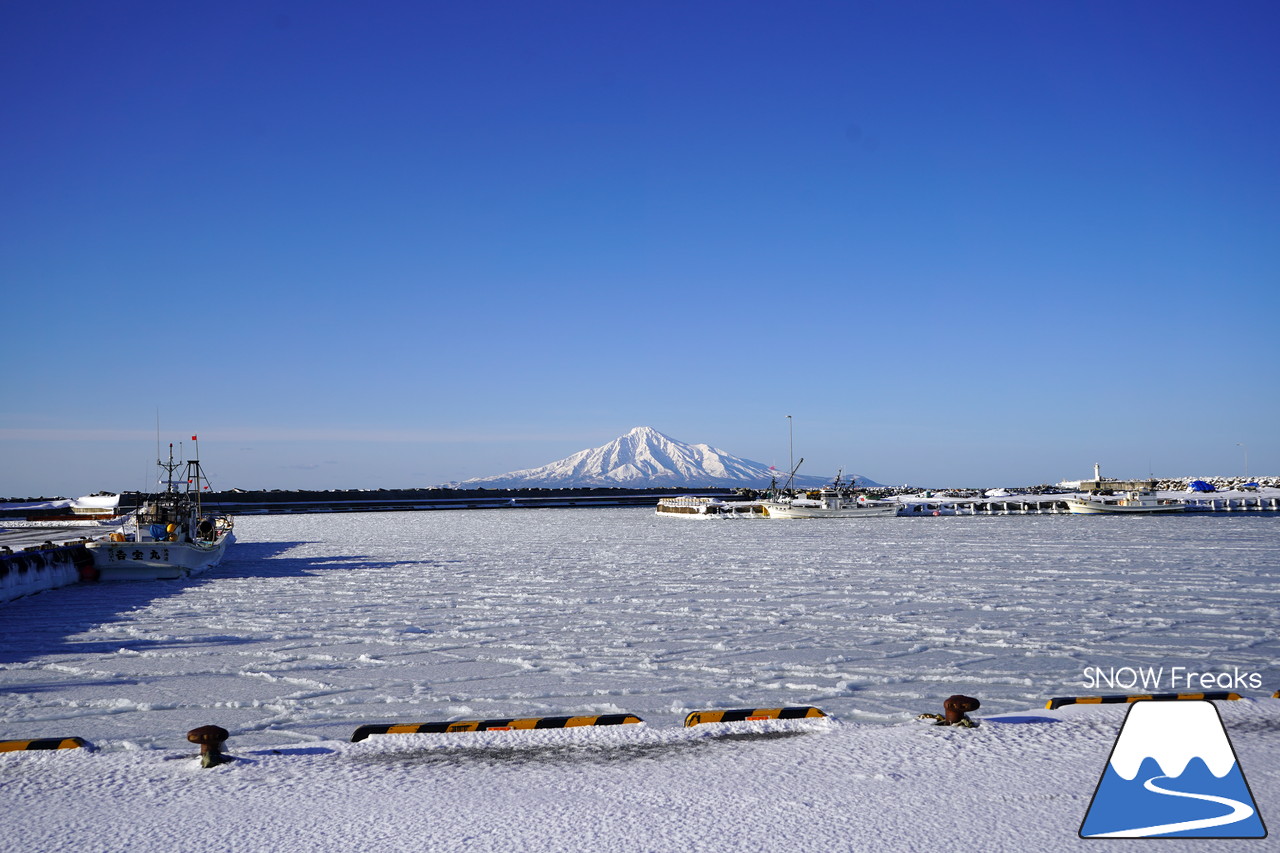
316, 624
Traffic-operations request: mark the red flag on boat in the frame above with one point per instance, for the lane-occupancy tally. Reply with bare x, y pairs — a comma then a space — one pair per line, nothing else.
193, 438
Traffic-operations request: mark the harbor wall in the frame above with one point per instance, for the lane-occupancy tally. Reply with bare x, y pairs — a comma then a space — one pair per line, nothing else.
36, 569
385, 500
1042, 504
270, 503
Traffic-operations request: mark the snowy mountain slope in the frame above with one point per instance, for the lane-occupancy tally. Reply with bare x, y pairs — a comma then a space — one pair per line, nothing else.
645, 457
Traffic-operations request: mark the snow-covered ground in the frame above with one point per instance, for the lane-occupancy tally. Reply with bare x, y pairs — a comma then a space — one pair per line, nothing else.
317, 624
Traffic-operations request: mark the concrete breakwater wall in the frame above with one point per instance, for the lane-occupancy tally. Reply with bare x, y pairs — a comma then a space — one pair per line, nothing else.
1222, 484
43, 567
387, 500
1040, 504
947, 503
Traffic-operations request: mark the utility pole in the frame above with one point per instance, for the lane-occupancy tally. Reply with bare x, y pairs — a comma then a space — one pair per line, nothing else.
791, 441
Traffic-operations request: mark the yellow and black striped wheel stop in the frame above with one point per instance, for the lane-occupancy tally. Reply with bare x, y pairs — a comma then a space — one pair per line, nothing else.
43, 743
1058, 702
498, 725
738, 715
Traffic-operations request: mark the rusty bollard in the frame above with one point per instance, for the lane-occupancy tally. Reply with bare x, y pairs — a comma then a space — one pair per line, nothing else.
955, 708
210, 739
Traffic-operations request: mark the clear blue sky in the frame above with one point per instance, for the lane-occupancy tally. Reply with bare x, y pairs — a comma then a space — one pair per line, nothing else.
396, 244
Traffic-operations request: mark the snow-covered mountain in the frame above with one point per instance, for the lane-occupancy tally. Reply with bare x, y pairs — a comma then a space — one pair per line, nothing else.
641, 458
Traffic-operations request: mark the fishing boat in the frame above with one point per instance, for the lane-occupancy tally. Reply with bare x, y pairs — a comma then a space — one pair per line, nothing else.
171, 535
1130, 502
701, 507
833, 501
96, 505
828, 503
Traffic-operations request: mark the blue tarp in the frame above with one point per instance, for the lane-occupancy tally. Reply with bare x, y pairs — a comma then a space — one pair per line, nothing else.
1201, 486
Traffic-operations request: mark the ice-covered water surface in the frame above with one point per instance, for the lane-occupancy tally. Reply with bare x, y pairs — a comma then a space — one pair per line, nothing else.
318, 623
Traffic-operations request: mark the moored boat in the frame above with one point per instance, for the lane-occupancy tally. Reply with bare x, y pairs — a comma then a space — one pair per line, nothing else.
171, 535
1126, 503
702, 507
830, 502
833, 501
96, 505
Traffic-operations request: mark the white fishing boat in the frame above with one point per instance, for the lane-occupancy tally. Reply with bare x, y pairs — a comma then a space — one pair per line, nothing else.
830, 502
1130, 502
833, 501
96, 505
1106, 496
701, 507
170, 535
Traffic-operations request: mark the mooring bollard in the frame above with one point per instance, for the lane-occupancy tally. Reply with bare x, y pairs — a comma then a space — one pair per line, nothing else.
954, 709
210, 739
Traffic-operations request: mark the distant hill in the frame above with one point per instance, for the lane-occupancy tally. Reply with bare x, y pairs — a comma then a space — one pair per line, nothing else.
646, 457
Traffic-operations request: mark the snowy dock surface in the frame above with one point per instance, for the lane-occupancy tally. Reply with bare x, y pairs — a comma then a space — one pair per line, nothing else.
764, 787
316, 624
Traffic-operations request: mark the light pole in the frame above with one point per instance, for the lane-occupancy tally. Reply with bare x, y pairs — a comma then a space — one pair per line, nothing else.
791, 443
1246, 459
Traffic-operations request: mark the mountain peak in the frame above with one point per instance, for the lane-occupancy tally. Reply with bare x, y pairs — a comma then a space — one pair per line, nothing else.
647, 433
642, 458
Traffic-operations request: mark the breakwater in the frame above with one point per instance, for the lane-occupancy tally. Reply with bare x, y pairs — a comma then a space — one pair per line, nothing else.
40, 567
239, 502
1042, 504
969, 502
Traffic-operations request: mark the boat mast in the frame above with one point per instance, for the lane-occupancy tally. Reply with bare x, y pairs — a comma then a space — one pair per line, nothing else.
193, 470
792, 475
169, 468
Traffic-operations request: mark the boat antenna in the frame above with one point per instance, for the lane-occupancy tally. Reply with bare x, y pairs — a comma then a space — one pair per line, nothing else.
169, 469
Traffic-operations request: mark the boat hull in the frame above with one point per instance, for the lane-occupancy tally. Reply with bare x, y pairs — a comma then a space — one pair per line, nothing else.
124, 561
696, 507
1078, 506
780, 510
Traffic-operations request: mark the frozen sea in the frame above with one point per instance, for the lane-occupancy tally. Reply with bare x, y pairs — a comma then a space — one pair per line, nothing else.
316, 624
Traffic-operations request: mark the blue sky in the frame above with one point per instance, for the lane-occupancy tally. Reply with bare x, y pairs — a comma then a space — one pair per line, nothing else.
984, 243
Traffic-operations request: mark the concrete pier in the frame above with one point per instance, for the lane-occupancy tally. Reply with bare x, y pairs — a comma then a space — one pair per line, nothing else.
1047, 504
